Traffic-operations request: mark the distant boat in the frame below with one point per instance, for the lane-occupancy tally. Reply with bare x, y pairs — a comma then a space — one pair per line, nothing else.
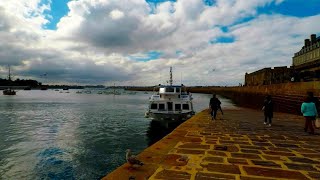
44, 88
27, 88
9, 91
65, 89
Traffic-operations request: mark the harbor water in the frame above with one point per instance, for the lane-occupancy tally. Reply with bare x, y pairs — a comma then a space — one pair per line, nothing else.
58, 135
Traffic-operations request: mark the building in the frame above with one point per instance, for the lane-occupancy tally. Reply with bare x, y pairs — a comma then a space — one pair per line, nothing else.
305, 67
267, 76
306, 62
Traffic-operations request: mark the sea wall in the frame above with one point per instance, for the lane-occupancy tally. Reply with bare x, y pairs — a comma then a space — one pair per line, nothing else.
287, 96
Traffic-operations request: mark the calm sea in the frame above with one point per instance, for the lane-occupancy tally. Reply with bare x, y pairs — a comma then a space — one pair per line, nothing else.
52, 135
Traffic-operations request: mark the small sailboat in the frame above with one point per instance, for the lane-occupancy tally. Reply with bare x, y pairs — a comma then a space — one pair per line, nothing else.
9, 91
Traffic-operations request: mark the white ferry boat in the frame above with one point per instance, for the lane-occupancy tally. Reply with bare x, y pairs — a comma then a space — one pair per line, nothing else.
170, 103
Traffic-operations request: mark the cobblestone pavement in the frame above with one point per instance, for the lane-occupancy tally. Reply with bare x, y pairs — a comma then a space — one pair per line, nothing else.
235, 146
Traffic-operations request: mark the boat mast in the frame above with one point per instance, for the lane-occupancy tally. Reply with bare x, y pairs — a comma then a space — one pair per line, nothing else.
9, 76
170, 81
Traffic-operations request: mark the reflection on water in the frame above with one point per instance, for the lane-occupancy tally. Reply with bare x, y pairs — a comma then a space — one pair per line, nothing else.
157, 130
52, 135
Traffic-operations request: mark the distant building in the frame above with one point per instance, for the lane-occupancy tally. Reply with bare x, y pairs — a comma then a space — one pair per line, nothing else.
305, 67
267, 76
306, 62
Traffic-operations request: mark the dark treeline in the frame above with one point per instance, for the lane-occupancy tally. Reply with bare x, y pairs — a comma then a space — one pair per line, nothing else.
20, 82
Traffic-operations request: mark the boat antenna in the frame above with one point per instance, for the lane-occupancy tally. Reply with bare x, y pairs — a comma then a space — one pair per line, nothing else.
170, 81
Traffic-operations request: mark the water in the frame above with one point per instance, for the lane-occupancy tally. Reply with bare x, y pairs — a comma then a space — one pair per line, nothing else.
52, 135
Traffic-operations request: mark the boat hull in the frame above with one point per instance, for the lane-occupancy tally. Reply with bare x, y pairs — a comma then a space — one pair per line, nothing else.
169, 117
9, 93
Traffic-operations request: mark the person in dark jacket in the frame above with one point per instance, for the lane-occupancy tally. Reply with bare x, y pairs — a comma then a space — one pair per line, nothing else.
268, 110
214, 105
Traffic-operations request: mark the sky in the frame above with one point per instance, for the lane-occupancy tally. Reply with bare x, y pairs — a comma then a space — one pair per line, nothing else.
135, 42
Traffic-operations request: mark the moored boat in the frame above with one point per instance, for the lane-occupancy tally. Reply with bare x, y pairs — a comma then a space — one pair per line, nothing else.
9, 92
171, 103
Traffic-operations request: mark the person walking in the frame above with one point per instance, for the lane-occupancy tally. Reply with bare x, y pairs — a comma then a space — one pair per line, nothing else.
268, 110
214, 105
309, 111
316, 102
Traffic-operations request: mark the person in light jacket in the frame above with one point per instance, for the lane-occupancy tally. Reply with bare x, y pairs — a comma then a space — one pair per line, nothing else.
309, 111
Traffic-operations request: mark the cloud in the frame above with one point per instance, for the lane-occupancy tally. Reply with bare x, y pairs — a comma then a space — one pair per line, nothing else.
94, 41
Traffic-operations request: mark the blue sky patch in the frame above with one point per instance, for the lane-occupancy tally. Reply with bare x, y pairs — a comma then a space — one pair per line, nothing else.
151, 55
59, 8
209, 2
223, 39
297, 8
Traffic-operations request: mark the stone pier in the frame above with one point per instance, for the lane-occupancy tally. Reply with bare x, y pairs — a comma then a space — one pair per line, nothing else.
235, 146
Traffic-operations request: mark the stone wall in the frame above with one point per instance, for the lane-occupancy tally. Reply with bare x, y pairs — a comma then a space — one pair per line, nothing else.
287, 96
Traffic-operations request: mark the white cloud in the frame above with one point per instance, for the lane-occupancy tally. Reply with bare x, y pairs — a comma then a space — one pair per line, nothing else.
92, 42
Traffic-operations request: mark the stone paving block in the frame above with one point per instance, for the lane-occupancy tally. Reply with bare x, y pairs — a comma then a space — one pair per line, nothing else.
303, 160
245, 155
193, 134
250, 151
275, 173
305, 167
214, 159
175, 160
191, 139
262, 144
303, 150
194, 146
222, 168
287, 145
254, 178
217, 153
211, 142
258, 140
266, 163
234, 142
190, 151
309, 146
279, 149
278, 153
213, 176
274, 158
173, 175
253, 147
237, 161
314, 175
312, 155
204, 133
230, 148
224, 138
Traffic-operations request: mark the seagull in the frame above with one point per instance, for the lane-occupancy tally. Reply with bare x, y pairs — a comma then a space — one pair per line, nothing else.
132, 160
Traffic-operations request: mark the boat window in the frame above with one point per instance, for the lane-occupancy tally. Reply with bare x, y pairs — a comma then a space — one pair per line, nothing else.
161, 106
154, 106
177, 90
169, 89
177, 106
185, 106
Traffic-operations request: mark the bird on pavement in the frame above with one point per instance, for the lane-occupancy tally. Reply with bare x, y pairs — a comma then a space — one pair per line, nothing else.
132, 160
